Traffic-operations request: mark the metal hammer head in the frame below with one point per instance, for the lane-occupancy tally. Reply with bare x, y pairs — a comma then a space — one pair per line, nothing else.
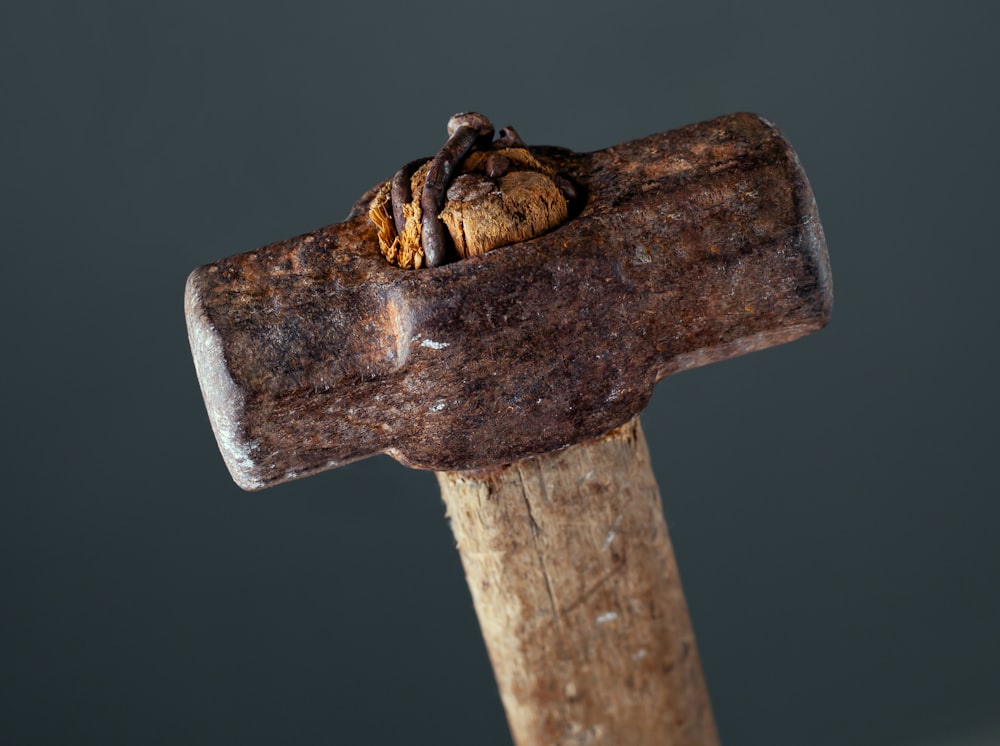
690, 246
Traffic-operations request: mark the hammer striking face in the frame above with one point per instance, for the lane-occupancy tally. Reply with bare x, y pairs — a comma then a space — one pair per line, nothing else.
685, 247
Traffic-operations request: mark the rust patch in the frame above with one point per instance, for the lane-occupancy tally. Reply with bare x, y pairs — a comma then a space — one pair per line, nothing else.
688, 247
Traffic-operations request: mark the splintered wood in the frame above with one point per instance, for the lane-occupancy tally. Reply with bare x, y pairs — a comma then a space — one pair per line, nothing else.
574, 581
499, 197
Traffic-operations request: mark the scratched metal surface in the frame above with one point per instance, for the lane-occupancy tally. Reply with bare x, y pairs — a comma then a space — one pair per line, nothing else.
691, 246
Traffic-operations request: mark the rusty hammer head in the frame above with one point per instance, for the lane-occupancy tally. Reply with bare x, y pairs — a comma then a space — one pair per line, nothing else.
688, 247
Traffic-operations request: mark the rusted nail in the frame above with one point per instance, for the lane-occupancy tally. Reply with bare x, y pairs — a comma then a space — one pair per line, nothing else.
464, 132
497, 165
401, 193
565, 186
508, 138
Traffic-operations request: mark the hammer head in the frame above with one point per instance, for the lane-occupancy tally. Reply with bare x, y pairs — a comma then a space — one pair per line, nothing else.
690, 246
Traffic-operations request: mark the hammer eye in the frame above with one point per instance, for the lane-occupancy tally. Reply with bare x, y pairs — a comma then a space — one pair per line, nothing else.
473, 196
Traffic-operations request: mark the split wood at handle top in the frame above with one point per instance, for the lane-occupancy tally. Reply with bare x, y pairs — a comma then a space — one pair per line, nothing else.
574, 581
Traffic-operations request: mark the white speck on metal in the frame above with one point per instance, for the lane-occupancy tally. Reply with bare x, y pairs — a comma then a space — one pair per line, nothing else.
640, 654
438, 406
605, 618
434, 345
615, 395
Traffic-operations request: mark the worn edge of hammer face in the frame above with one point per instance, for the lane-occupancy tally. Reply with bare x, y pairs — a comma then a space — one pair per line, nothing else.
690, 246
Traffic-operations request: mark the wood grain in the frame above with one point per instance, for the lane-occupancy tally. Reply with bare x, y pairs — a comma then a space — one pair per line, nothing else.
574, 581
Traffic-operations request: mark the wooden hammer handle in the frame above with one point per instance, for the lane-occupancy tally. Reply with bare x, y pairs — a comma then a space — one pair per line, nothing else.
574, 581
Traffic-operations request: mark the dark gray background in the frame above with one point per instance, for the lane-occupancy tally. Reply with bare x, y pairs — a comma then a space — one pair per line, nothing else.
833, 502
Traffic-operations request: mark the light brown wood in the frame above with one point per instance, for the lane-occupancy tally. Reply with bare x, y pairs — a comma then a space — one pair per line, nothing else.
574, 581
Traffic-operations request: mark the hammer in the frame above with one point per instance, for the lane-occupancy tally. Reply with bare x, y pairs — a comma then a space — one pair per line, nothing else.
517, 373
